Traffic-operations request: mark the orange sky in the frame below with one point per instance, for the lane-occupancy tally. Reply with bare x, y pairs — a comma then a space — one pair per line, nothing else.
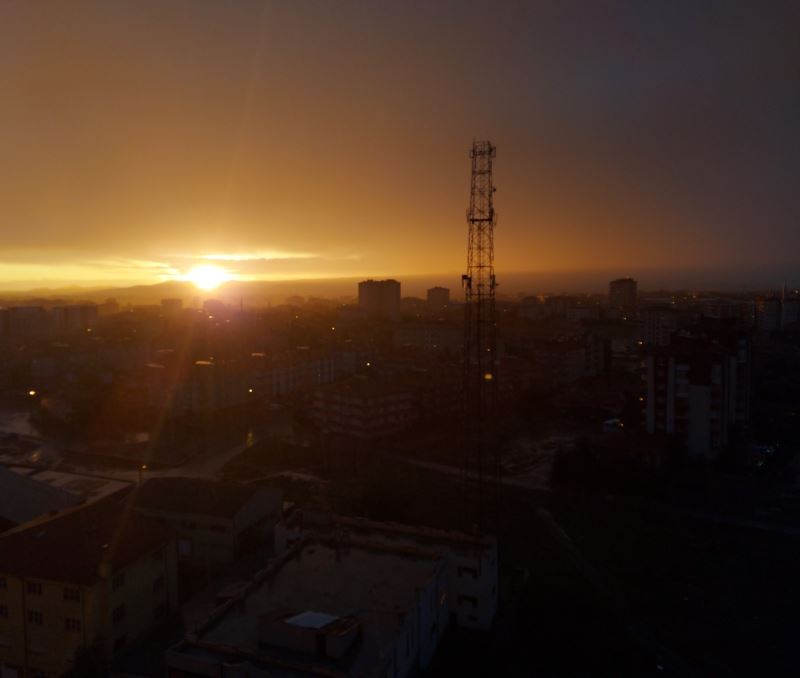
314, 139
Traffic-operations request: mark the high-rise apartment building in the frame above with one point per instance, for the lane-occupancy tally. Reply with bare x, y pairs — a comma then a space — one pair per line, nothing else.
438, 298
698, 388
380, 298
622, 294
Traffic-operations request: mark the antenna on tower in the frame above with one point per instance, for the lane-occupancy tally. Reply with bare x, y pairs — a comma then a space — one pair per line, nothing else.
482, 459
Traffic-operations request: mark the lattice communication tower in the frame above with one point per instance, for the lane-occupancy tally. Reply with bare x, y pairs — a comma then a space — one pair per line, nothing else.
482, 458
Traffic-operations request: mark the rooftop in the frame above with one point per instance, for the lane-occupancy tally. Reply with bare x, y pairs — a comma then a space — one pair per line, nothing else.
200, 496
23, 498
72, 546
320, 583
411, 538
88, 488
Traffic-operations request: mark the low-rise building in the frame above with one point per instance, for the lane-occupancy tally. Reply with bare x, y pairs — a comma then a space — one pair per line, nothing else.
346, 597
471, 561
95, 576
215, 521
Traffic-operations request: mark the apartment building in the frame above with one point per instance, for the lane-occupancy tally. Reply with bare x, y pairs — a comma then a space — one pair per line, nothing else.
96, 576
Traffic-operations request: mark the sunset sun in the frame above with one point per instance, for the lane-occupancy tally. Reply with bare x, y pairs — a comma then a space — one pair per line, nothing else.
208, 277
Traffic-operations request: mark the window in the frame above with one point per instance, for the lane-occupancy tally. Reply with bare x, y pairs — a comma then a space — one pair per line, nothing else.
33, 588
119, 613
3, 583
120, 643
158, 556
158, 584
118, 582
35, 617
72, 595
160, 612
72, 624
471, 600
471, 571
4, 611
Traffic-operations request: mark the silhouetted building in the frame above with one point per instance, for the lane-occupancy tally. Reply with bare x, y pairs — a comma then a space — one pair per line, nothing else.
657, 324
171, 307
438, 299
108, 307
74, 317
431, 336
28, 322
215, 308
775, 313
380, 298
578, 313
531, 308
556, 305
622, 294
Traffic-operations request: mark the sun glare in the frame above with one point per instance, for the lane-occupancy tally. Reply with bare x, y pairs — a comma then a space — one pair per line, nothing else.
208, 277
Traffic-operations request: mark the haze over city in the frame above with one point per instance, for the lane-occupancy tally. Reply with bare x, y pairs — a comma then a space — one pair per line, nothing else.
318, 140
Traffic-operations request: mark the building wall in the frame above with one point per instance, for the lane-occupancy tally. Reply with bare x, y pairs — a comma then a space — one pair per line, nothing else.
47, 648
380, 298
202, 539
148, 596
260, 514
214, 540
472, 588
699, 433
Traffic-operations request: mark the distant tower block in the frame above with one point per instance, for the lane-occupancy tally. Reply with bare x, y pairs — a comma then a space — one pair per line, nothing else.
480, 327
380, 298
622, 294
438, 298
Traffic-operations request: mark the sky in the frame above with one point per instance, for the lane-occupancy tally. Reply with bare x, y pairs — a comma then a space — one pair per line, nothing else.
311, 139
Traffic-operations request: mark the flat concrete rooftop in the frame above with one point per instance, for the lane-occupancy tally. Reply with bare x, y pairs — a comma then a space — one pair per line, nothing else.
378, 587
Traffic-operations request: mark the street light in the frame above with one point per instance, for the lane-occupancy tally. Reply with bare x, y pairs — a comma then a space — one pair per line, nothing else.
142, 467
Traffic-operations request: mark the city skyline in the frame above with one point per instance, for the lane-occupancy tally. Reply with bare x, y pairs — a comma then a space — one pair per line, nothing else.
299, 143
